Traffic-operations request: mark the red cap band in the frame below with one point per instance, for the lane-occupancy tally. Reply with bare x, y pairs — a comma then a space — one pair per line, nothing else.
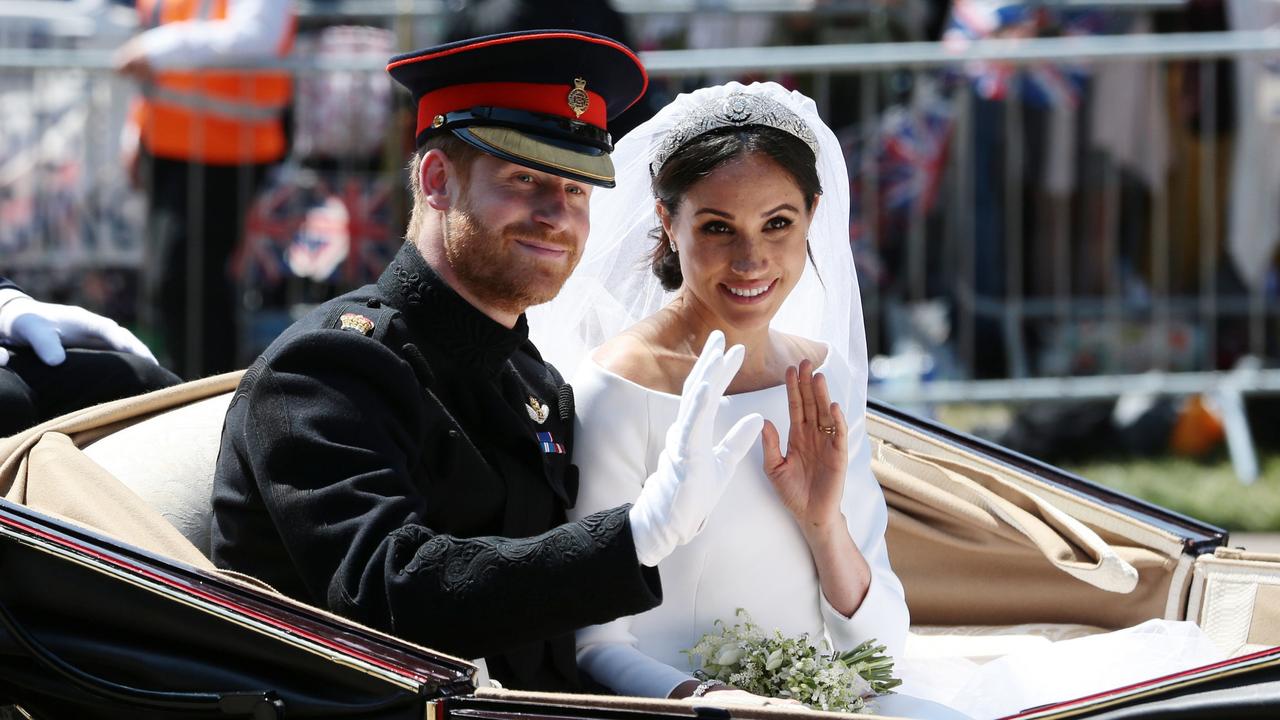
533, 97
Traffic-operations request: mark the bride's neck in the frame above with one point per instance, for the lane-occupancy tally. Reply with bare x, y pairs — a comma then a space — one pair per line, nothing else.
692, 324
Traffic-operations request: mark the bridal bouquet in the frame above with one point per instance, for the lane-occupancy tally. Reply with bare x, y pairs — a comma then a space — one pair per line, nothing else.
776, 666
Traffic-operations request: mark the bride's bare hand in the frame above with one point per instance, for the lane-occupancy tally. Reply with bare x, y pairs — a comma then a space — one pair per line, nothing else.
810, 477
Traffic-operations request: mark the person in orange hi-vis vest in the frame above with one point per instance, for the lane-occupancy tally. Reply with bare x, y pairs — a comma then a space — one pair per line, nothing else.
199, 141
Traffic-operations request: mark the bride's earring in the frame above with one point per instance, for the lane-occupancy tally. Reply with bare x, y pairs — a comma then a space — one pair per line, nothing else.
672, 244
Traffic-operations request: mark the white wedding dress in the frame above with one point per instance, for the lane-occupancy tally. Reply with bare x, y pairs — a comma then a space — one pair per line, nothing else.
749, 555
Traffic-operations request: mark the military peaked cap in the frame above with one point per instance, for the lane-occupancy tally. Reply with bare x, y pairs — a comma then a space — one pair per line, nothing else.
539, 98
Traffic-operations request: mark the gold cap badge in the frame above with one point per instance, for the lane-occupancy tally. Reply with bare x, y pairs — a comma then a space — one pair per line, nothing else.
578, 98
537, 411
356, 322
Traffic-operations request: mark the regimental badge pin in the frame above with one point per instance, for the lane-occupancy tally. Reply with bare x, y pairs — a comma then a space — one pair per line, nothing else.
357, 322
537, 411
578, 98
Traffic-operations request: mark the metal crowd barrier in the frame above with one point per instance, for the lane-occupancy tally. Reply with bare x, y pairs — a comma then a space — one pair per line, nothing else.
985, 276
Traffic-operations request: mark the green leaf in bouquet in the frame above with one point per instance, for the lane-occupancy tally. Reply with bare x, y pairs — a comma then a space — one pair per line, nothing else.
775, 665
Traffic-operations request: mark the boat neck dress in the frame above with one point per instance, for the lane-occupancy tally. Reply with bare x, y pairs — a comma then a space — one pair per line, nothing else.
750, 554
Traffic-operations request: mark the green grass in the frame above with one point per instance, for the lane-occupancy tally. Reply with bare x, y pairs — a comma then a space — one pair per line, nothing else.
1207, 491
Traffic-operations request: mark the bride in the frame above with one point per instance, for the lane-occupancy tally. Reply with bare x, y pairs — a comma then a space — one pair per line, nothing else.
750, 240
749, 237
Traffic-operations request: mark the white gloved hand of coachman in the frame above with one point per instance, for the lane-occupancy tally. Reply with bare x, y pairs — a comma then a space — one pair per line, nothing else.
48, 329
693, 469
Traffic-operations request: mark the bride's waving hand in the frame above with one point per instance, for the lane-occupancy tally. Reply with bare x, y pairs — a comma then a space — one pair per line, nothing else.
810, 480
810, 477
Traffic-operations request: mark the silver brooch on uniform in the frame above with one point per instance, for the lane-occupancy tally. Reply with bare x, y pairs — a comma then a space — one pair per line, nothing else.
537, 411
734, 110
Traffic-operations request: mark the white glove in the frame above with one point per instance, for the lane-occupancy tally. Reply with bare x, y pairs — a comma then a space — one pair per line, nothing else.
48, 328
692, 472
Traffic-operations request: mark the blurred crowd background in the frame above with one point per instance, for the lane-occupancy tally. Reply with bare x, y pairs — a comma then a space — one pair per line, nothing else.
1066, 208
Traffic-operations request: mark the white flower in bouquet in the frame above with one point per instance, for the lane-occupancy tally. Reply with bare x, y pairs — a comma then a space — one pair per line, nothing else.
778, 666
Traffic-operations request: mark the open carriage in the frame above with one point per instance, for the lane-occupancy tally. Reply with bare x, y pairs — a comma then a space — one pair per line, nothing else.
110, 609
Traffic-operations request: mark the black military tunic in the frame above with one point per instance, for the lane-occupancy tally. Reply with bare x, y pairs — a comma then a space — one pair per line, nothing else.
399, 458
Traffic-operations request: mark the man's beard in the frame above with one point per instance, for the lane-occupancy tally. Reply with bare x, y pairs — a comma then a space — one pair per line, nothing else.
482, 260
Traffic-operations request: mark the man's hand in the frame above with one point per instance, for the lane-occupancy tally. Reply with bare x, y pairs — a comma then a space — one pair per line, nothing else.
47, 328
693, 470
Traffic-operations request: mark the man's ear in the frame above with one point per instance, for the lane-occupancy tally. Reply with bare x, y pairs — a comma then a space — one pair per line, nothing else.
439, 178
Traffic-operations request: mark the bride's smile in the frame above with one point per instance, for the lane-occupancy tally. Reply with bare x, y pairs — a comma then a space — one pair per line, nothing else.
752, 293
739, 234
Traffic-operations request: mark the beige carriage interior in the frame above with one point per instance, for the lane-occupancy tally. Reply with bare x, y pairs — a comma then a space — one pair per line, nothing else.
992, 557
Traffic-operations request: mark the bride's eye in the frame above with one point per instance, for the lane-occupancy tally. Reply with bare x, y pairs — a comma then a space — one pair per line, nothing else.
778, 223
716, 227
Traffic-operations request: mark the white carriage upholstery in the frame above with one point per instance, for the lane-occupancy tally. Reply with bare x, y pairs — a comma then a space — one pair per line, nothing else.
168, 460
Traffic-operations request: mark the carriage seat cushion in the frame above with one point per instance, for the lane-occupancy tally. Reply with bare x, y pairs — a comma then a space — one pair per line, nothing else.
168, 460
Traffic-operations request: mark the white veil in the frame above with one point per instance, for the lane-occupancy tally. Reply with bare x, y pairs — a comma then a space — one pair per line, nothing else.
613, 287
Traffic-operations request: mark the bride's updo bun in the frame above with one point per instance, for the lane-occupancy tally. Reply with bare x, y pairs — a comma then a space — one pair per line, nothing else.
701, 156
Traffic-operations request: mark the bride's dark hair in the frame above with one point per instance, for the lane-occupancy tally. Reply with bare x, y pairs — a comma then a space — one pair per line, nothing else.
700, 157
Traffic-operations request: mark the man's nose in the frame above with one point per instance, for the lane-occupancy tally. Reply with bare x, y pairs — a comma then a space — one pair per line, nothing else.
552, 209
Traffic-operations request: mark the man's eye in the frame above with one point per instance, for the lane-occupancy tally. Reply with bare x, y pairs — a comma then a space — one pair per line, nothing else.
524, 178
575, 190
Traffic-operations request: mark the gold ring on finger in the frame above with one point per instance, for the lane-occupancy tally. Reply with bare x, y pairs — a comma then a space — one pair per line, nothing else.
828, 429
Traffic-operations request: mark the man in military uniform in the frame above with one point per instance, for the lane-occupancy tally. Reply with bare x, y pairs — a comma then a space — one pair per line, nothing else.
402, 455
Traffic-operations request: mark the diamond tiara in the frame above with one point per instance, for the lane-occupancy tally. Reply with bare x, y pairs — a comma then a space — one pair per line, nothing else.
736, 110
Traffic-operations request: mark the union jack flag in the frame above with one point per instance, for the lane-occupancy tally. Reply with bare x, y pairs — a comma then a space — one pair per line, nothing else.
374, 230
895, 168
328, 227
1038, 84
